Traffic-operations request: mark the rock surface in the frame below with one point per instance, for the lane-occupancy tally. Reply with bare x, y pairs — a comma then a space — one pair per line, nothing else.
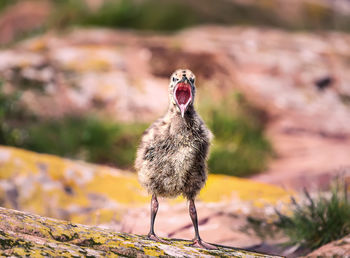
98, 195
24, 234
338, 248
300, 80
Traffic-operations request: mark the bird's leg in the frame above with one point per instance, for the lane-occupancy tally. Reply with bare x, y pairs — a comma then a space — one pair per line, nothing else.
154, 210
197, 242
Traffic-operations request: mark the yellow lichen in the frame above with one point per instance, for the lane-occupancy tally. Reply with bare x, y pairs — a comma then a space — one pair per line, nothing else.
221, 187
19, 251
38, 45
123, 189
35, 201
32, 235
24, 162
72, 189
153, 252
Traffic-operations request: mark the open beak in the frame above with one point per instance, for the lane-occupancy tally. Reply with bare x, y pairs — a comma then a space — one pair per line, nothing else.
183, 95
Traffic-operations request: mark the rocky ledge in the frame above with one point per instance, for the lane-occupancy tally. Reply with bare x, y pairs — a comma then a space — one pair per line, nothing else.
24, 234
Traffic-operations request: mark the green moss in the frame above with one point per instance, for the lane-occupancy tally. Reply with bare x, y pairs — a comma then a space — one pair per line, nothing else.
7, 242
90, 242
64, 236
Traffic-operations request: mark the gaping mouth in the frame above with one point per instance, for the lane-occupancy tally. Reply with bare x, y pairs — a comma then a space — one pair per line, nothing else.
183, 96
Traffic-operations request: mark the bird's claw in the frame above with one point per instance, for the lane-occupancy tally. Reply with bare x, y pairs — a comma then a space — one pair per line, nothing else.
155, 238
201, 244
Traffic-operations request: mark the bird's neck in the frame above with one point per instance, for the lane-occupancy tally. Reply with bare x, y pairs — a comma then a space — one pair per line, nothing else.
175, 115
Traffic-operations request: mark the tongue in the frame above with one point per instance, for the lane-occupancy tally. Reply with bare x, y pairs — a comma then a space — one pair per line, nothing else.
183, 108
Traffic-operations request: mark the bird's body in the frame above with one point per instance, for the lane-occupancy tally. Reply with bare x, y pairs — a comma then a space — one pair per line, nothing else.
171, 158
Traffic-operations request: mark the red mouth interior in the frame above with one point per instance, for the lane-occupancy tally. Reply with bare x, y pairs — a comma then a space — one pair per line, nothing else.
183, 93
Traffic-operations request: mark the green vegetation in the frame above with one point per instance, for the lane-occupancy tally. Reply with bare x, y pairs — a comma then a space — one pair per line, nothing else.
145, 15
311, 222
240, 147
5, 3
158, 15
86, 138
12, 118
176, 14
320, 220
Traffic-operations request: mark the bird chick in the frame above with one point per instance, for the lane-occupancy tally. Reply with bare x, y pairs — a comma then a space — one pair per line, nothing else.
171, 158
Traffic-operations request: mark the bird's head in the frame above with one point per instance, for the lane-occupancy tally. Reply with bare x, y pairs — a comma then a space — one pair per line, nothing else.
182, 90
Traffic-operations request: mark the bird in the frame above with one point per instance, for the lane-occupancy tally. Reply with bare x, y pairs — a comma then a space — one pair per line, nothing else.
171, 157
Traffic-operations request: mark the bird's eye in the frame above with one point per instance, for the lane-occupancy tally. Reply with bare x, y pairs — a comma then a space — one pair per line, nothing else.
174, 79
191, 80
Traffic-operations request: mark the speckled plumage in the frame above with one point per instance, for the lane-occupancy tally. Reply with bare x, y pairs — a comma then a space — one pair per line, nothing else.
171, 158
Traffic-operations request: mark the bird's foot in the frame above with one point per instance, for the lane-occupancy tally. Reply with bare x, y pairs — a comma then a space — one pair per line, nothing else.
155, 238
201, 244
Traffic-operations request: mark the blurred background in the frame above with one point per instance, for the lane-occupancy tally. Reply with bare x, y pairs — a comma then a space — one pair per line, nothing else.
82, 79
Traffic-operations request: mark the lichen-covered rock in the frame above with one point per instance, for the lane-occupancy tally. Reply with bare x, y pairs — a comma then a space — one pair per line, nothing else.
98, 195
26, 234
93, 194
